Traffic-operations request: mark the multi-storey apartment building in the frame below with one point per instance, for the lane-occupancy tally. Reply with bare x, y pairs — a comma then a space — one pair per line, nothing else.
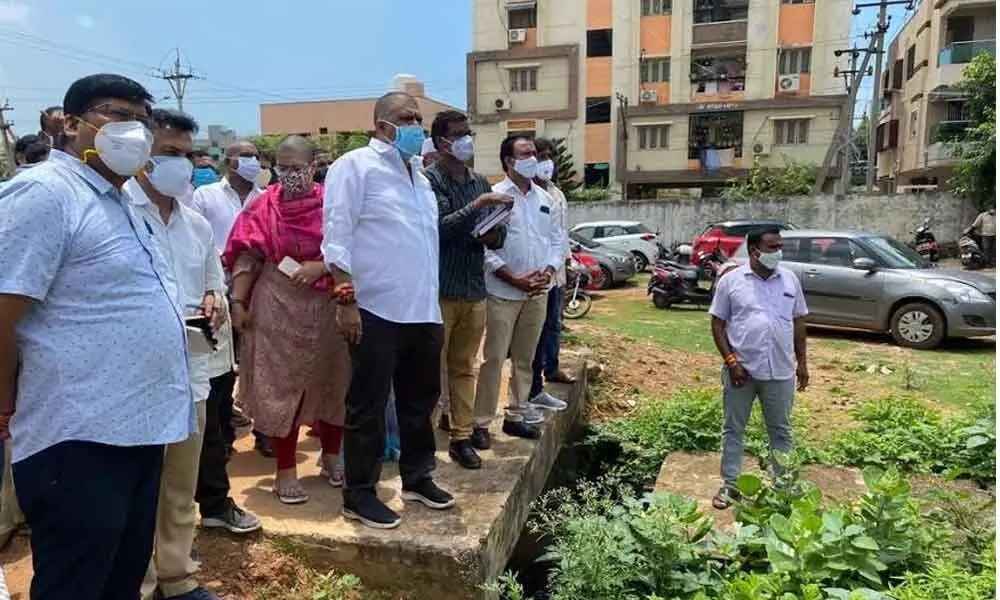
922, 112
662, 93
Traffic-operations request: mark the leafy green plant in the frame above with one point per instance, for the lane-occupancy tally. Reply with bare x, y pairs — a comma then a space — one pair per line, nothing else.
507, 587
792, 179
976, 456
588, 194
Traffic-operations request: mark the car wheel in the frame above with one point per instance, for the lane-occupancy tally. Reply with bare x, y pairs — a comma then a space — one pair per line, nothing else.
918, 325
640, 261
607, 279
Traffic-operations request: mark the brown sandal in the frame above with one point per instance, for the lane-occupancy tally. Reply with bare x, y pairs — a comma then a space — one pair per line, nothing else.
723, 499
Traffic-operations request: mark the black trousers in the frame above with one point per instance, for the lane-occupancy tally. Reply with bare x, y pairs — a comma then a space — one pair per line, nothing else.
92, 513
408, 356
212, 494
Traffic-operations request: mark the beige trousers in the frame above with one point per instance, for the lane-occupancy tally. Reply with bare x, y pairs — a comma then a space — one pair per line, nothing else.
171, 567
464, 322
512, 327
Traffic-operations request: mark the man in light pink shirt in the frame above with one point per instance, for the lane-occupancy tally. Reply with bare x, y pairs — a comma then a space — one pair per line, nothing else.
758, 323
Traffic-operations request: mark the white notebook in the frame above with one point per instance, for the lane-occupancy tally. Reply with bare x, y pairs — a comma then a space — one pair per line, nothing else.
495, 217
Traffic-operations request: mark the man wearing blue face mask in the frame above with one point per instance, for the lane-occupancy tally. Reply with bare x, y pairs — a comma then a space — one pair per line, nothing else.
381, 245
185, 239
92, 350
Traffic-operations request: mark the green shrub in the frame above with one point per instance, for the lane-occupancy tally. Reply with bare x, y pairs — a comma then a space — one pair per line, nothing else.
588, 194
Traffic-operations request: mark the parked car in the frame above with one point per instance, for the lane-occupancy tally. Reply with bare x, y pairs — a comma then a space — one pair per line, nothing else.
590, 265
728, 235
617, 266
630, 236
874, 282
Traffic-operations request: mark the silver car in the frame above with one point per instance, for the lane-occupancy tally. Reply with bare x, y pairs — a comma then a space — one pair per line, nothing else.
617, 266
871, 281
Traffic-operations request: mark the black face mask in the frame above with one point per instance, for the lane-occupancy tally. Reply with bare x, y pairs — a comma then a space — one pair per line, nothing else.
320, 175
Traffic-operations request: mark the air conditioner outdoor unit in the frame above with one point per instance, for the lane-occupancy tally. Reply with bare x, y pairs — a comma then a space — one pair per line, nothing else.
647, 96
759, 148
517, 36
788, 83
502, 103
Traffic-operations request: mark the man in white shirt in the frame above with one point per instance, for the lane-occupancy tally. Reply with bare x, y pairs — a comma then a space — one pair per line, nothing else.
185, 239
381, 244
546, 361
518, 278
220, 203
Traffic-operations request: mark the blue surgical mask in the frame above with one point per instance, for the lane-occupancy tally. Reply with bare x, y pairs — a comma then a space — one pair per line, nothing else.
409, 139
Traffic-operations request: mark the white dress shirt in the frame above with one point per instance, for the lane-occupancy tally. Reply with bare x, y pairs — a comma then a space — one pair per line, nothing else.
380, 224
186, 244
219, 203
534, 239
561, 211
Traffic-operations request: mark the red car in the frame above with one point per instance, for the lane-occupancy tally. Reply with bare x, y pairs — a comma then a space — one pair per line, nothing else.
593, 268
728, 235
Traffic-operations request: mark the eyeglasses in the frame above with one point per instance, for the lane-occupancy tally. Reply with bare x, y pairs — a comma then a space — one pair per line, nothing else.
120, 114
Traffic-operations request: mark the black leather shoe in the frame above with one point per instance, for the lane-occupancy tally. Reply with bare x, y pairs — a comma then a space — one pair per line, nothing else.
480, 438
464, 454
521, 429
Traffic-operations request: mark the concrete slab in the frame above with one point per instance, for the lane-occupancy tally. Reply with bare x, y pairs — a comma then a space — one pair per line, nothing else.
437, 554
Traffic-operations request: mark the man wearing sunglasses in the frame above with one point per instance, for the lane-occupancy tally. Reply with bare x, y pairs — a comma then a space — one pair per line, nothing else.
93, 370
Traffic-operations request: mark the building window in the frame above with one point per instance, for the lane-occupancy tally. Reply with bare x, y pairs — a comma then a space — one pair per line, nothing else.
599, 109
323, 131
655, 7
792, 61
653, 70
791, 131
958, 111
711, 11
596, 175
911, 62
530, 134
653, 137
524, 80
914, 122
598, 43
522, 18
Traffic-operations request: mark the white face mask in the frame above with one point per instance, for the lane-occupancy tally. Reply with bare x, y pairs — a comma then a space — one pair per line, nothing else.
526, 167
770, 259
546, 169
170, 175
248, 168
124, 146
463, 148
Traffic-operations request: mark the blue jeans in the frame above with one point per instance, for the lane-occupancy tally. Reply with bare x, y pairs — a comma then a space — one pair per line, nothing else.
737, 402
547, 353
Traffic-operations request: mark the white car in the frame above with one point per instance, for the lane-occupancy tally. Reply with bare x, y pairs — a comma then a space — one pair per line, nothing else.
631, 236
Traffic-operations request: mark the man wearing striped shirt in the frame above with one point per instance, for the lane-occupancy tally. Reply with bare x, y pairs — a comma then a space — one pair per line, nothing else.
462, 195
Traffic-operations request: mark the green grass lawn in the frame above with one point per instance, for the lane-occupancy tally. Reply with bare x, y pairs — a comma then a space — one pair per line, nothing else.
960, 373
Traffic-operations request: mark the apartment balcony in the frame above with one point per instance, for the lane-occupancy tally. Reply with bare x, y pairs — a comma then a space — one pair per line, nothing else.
948, 131
941, 154
953, 58
719, 23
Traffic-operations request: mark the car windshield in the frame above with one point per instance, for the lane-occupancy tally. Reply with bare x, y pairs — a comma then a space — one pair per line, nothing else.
584, 241
894, 254
637, 228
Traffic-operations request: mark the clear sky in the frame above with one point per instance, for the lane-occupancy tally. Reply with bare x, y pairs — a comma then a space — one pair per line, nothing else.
248, 52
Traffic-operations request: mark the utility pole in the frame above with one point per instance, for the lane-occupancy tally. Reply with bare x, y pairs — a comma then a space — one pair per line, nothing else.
845, 125
622, 165
879, 37
177, 78
5, 131
846, 142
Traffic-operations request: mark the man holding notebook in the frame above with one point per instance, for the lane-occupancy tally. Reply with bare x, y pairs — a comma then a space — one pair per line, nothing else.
465, 201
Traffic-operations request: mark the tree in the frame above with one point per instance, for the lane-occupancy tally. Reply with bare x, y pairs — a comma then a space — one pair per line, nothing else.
565, 174
794, 179
336, 144
975, 175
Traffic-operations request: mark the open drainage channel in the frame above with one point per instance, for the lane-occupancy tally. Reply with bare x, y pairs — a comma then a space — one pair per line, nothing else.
576, 462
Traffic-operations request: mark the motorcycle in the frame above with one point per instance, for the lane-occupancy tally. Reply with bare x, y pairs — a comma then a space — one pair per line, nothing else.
924, 242
676, 283
576, 298
971, 253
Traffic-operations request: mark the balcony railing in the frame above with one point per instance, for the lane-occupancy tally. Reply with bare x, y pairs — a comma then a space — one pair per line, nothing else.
958, 53
949, 131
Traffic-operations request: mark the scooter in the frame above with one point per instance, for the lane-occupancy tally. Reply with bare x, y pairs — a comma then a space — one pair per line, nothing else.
675, 283
971, 253
925, 243
576, 298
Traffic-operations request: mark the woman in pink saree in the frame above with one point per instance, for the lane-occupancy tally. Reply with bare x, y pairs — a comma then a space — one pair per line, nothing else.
294, 365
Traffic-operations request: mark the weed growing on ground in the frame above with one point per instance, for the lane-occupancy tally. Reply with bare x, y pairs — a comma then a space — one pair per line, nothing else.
788, 545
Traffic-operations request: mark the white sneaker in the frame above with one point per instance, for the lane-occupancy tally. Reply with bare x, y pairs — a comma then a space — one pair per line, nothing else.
547, 401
